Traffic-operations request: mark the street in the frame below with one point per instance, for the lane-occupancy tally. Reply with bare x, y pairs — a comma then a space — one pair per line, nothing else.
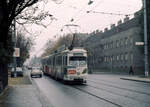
101, 90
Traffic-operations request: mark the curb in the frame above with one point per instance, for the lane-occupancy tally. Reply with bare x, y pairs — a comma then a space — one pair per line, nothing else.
4, 91
135, 80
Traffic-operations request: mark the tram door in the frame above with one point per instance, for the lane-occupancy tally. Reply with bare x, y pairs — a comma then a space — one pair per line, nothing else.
53, 64
64, 65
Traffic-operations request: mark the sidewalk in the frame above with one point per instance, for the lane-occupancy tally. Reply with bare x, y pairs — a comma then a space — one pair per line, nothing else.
126, 76
137, 78
20, 93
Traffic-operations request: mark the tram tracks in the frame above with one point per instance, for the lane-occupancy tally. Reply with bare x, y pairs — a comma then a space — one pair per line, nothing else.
119, 94
107, 95
101, 98
109, 100
89, 93
126, 89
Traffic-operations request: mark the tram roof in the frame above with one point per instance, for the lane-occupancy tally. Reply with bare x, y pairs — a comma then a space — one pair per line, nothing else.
76, 49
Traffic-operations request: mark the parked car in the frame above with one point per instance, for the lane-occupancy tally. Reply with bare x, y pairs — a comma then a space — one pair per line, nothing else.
29, 68
36, 72
19, 72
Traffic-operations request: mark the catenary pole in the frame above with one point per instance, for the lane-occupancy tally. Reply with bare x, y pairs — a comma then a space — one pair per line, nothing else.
15, 47
145, 40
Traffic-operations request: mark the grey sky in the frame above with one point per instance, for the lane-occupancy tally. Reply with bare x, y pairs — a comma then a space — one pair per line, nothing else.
88, 22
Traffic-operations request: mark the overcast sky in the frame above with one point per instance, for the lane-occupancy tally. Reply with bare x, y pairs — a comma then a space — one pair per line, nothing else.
88, 22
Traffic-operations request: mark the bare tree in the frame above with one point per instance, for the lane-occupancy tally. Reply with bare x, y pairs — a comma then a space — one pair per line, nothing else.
24, 11
9, 9
66, 40
35, 15
53, 46
25, 45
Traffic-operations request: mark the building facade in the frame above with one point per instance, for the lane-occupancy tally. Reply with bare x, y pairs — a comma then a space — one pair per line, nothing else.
116, 49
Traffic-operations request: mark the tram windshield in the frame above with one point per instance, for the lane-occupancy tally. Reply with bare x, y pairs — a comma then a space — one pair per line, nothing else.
77, 60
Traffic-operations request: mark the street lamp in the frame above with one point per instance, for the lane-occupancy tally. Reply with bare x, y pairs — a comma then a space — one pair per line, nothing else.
90, 2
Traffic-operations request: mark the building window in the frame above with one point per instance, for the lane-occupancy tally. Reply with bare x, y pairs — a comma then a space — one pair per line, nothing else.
121, 42
105, 59
131, 40
117, 43
106, 45
122, 57
110, 58
113, 57
117, 57
131, 56
114, 44
126, 56
111, 44
126, 41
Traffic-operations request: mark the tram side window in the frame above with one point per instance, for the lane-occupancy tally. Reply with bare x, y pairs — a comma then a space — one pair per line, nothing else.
58, 60
46, 62
65, 60
54, 61
49, 61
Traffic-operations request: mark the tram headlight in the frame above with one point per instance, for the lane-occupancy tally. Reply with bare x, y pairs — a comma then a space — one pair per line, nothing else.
85, 71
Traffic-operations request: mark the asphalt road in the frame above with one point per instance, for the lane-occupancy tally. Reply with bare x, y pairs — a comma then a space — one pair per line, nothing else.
101, 90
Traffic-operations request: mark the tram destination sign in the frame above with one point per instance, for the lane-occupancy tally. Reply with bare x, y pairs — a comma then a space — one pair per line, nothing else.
78, 54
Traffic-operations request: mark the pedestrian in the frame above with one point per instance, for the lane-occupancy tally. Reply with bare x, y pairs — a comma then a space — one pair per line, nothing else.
131, 71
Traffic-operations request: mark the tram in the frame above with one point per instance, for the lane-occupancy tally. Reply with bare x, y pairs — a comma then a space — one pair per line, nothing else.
67, 65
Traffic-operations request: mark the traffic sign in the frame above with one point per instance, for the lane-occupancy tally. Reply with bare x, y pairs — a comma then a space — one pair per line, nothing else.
16, 52
139, 43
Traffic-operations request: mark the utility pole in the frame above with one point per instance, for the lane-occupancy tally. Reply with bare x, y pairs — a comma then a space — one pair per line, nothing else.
15, 74
145, 40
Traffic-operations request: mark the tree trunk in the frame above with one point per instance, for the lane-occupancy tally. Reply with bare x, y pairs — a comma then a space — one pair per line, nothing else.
4, 50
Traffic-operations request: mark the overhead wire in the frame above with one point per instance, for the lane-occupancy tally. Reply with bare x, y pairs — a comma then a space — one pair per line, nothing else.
118, 14
93, 8
72, 19
75, 15
91, 11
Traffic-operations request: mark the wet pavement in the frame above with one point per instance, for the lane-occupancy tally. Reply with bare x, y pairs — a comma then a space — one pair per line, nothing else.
101, 90
21, 93
21, 96
137, 78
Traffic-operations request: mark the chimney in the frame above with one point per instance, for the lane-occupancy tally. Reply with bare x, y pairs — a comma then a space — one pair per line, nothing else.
97, 31
112, 26
119, 22
106, 29
126, 18
101, 31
